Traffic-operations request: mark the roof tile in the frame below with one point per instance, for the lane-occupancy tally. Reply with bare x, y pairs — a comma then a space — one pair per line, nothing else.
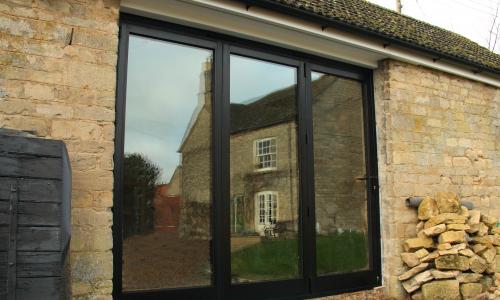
388, 23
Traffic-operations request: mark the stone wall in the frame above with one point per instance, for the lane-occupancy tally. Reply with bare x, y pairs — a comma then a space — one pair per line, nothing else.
57, 80
436, 132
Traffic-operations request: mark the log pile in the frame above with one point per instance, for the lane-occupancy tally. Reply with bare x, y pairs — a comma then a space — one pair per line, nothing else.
455, 255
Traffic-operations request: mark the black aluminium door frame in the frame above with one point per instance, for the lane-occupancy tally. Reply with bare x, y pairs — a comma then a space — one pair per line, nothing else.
223, 46
281, 288
360, 280
134, 26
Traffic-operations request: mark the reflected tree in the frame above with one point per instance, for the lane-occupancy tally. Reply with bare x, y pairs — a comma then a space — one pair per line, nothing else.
139, 181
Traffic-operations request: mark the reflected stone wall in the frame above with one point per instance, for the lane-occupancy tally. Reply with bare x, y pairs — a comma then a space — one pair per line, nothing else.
339, 156
195, 183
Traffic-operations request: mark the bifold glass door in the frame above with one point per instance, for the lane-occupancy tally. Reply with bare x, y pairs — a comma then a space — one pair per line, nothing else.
240, 173
339, 175
167, 199
264, 171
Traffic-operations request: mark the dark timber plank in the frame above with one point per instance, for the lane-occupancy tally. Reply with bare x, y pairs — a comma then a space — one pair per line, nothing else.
3, 271
39, 288
32, 146
4, 213
38, 271
3, 274
39, 214
11, 263
3, 287
38, 239
39, 264
31, 166
4, 238
32, 190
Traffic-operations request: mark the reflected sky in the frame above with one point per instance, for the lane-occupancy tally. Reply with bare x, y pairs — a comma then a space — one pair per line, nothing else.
252, 79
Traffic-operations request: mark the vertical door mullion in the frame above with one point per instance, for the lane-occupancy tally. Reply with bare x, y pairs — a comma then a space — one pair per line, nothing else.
224, 209
372, 175
121, 83
216, 165
309, 240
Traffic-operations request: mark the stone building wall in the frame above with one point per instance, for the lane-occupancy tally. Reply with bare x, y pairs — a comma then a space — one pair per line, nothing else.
196, 166
57, 80
436, 132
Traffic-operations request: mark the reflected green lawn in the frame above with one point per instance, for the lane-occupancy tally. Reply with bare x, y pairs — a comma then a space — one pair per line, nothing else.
267, 260
341, 253
279, 259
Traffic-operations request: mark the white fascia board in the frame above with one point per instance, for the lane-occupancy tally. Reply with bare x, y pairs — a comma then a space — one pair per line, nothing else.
259, 24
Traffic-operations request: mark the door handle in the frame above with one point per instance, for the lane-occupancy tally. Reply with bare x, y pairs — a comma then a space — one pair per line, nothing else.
365, 178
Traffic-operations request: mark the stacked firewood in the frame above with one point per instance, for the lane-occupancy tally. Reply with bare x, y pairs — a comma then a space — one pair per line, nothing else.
456, 254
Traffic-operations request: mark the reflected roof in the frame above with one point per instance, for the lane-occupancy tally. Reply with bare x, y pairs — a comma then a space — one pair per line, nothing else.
275, 108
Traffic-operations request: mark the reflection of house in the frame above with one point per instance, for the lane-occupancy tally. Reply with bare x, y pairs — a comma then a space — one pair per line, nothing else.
264, 163
195, 178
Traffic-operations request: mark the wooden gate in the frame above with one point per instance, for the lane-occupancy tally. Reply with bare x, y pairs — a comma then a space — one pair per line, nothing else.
166, 209
35, 187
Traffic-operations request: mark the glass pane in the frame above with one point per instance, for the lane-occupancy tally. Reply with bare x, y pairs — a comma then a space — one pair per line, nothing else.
167, 166
339, 169
264, 171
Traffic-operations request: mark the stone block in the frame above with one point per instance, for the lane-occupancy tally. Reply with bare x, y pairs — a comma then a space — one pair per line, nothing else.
495, 239
427, 209
448, 202
421, 253
469, 277
475, 217
466, 252
469, 290
437, 274
457, 227
445, 246
452, 237
483, 229
452, 262
489, 255
416, 281
418, 243
410, 259
413, 271
446, 218
477, 264
94, 39
432, 256
441, 290
489, 220
435, 230
479, 248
